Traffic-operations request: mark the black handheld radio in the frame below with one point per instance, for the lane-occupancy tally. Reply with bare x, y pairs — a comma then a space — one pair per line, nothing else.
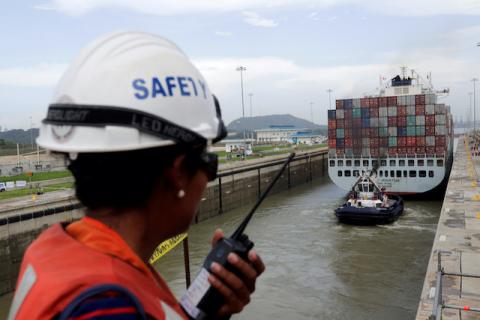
202, 301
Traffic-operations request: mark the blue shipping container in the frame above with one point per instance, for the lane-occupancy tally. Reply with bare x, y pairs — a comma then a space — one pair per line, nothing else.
331, 115
402, 131
365, 122
340, 143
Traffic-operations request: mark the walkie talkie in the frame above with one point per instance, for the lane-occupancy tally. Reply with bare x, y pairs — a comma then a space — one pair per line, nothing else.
202, 301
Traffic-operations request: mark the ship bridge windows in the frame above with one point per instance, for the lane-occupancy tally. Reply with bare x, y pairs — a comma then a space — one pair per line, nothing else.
430, 162
401, 163
422, 173
340, 173
348, 163
332, 163
340, 163
386, 173
404, 173
440, 163
412, 174
411, 163
374, 163
348, 173
393, 163
399, 173
356, 173
421, 162
392, 173
356, 163
366, 163
430, 174
383, 163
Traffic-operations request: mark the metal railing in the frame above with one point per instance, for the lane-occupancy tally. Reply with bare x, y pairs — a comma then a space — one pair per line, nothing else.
438, 303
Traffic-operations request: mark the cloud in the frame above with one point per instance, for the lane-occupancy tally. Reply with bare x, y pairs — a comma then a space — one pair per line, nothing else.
42, 75
256, 20
315, 16
166, 8
223, 33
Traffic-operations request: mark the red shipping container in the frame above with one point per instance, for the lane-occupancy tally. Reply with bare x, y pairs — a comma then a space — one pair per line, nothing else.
402, 150
391, 101
419, 109
348, 132
392, 121
420, 99
374, 142
401, 141
364, 102
357, 143
357, 122
429, 130
382, 101
374, 102
365, 132
373, 112
420, 150
374, 152
347, 114
332, 133
420, 141
332, 143
439, 150
411, 142
392, 151
440, 141
332, 124
430, 120
383, 142
339, 104
430, 150
373, 132
401, 121
402, 111
410, 150
340, 124
348, 143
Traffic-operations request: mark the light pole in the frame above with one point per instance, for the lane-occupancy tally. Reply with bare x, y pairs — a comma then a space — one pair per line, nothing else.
470, 110
329, 98
241, 69
474, 106
251, 96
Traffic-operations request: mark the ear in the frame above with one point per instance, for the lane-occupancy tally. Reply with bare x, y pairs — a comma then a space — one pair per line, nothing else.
176, 176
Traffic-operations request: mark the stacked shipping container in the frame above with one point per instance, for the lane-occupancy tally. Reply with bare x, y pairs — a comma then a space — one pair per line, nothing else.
389, 126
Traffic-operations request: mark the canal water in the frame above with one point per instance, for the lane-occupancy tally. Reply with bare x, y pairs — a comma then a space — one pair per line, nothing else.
316, 267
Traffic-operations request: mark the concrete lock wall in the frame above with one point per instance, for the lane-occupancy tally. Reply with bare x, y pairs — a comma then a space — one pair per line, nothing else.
243, 188
237, 190
16, 237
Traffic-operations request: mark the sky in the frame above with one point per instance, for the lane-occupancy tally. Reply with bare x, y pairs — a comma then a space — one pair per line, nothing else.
293, 50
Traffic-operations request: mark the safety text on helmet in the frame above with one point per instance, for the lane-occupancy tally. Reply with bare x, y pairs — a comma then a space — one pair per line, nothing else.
168, 87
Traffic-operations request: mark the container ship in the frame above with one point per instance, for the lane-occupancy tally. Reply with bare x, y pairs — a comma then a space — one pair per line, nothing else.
403, 136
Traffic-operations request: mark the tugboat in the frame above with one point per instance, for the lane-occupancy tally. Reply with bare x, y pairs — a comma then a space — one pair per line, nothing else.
369, 204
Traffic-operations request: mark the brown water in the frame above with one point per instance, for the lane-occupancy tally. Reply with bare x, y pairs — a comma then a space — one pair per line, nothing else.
316, 267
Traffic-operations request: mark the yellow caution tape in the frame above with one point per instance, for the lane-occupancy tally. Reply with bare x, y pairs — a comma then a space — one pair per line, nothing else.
166, 246
476, 197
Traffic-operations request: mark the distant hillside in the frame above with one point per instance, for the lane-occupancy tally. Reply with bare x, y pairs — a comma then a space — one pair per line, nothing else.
19, 135
262, 122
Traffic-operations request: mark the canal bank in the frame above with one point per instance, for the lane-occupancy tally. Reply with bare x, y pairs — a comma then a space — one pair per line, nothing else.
451, 289
238, 184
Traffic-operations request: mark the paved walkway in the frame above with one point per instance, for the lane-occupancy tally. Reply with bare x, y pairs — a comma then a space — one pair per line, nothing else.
458, 241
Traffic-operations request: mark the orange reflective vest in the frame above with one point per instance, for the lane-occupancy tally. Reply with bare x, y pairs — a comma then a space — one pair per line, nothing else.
56, 269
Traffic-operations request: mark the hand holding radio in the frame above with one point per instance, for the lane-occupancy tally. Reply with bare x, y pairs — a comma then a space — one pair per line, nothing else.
236, 288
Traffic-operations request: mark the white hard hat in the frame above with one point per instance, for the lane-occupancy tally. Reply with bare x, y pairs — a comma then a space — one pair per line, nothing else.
127, 91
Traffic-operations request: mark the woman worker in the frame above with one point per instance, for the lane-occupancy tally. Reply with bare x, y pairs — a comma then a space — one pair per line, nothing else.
134, 118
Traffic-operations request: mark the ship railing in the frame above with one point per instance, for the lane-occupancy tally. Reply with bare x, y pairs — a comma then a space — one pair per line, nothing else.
438, 302
417, 156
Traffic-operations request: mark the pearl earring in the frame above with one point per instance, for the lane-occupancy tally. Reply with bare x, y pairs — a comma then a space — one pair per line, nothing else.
180, 194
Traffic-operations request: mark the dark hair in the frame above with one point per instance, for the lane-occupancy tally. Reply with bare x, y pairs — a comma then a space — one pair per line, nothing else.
123, 179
